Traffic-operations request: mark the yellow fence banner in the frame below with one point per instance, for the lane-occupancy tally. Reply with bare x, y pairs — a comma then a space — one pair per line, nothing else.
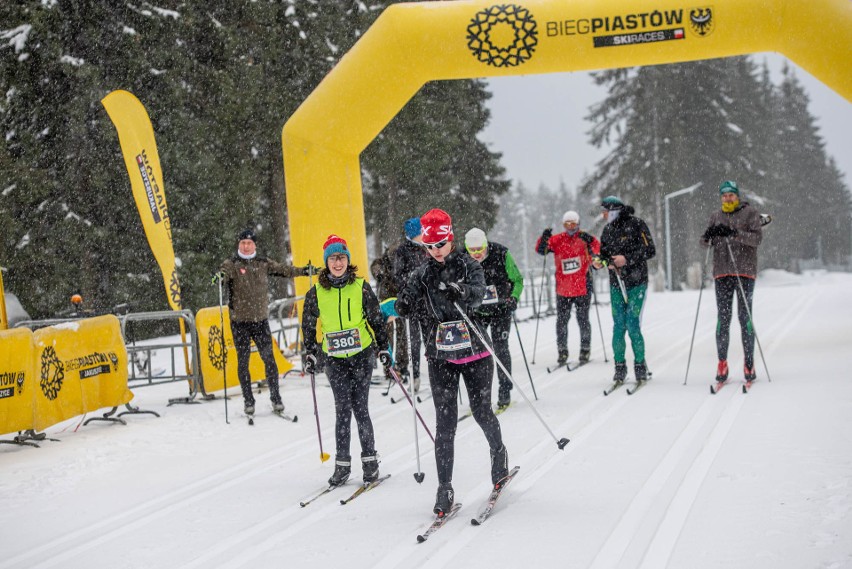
218, 354
83, 367
17, 380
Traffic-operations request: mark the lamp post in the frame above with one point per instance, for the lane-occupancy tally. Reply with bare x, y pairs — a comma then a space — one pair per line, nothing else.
667, 197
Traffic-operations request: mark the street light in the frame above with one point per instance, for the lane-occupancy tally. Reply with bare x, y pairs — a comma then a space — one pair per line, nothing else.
667, 197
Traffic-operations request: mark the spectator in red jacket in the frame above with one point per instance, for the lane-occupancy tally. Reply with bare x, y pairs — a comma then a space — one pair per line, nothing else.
572, 251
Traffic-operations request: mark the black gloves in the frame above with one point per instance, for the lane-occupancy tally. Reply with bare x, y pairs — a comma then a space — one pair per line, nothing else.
310, 364
455, 291
385, 359
309, 269
585, 238
511, 304
545, 239
718, 230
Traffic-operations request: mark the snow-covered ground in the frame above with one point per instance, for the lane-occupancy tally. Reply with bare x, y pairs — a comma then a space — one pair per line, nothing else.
670, 477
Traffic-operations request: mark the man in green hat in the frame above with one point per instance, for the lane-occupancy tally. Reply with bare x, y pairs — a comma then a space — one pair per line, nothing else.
734, 232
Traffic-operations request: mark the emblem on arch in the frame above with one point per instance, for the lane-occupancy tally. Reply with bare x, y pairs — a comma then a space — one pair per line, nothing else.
503, 35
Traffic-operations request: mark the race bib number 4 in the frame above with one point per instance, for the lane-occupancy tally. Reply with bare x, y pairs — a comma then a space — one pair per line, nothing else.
452, 336
570, 266
344, 342
490, 295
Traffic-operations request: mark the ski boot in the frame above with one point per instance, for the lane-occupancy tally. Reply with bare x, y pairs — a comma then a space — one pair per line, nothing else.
370, 465
504, 398
342, 468
749, 372
641, 371
416, 381
722, 371
444, 500
584, 355
563, 358
278, 407
249, 409
620, 372
499, 465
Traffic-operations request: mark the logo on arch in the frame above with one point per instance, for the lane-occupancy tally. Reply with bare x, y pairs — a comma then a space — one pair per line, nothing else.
701, 21
503, 35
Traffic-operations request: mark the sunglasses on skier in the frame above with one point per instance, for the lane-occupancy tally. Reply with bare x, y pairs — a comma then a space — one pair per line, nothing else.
437, 245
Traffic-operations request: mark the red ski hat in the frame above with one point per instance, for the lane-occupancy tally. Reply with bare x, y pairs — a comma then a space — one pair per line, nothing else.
333, 245
437, 226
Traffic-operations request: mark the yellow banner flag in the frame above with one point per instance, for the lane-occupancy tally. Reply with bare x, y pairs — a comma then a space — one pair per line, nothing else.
136, 136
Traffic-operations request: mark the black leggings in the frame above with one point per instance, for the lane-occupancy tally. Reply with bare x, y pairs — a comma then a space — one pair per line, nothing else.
444, 380
563, 316
244, 333
501, 326
725, 289
350, 383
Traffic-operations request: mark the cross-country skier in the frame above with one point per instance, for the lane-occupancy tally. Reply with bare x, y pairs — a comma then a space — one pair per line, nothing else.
407, 257
449, 278
573, 250
504, 284
626, 246
353, 330
736, 224
246, 276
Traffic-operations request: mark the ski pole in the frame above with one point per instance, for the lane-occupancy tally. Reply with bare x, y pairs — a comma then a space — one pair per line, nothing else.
224, 353
419, 475
748, 309
523, 353
694, 326
598, 314
393, 354
559, 442
411, 402
538, 309
621, 284
323, 455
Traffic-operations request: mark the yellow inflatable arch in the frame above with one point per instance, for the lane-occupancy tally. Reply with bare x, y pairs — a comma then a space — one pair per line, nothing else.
411, 44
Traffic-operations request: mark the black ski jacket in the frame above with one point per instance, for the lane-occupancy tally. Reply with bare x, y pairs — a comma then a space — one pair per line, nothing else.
406, 258
424, 300
629, 236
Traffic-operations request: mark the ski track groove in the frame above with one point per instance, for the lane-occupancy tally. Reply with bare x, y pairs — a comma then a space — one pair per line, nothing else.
658, 489
234, 475
668, 532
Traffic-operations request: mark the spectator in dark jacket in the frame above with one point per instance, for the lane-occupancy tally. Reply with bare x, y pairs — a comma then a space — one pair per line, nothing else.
246, 276
406, 259
626, 246
734, 232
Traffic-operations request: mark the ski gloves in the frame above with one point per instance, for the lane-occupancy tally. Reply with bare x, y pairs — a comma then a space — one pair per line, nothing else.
454, 291
217, 278
385, 359
545, 239
309, 269
310, 364
718, 230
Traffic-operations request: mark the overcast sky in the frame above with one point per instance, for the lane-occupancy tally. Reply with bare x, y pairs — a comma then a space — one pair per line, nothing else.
537, 123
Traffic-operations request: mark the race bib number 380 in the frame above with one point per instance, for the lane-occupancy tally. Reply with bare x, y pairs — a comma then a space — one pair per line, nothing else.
452, 336
344, 342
